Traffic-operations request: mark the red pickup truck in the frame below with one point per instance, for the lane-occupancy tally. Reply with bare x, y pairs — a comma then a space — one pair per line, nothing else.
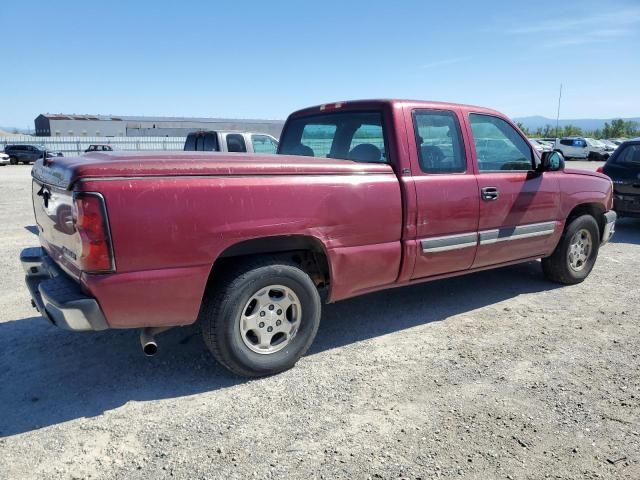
363, 196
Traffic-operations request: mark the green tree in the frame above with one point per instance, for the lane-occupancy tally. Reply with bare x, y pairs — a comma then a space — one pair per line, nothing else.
524, 129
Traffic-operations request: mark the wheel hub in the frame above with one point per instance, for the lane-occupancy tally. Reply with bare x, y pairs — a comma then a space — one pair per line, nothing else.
270, 319
580, 249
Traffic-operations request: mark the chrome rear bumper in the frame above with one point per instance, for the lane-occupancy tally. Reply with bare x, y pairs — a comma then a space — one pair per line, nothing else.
58, 297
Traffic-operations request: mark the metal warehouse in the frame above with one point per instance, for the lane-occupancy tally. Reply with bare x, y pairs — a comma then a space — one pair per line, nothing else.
64, 125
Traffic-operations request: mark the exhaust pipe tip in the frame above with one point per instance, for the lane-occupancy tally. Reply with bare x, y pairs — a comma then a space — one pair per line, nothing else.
148, 341
150, 349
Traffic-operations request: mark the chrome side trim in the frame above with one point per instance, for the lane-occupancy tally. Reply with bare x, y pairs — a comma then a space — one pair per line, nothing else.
520, 232
449, 242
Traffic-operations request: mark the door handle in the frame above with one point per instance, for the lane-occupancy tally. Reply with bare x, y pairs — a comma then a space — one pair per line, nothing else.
490, 193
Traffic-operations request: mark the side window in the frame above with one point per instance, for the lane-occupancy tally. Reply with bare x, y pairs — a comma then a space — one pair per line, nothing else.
235, 143
439, 141
498, 145
264, 144
568, 143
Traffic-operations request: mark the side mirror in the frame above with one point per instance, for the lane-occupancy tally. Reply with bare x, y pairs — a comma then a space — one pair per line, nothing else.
552, 162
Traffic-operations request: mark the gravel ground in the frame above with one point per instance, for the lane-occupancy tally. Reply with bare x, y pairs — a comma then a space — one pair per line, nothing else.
494, 375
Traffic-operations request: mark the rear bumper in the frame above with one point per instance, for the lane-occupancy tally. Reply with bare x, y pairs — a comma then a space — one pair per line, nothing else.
57, 297
610, 218
626, 204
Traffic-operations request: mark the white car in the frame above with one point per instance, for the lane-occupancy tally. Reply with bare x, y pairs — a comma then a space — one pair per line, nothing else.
4, 159
578, 147
609, 145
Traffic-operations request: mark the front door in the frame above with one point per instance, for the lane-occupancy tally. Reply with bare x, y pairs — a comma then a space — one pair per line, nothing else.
519, 208
447, 193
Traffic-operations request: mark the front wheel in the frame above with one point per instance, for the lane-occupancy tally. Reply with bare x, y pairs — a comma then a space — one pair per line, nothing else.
261, 317
576, 253
13, 160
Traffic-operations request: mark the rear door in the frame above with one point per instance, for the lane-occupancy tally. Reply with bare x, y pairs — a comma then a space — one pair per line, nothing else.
446, 190
519, 208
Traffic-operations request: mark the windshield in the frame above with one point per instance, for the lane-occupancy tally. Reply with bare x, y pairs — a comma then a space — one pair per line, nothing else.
357, 136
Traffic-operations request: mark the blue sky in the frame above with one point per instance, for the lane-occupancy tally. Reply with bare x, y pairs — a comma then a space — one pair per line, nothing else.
265, 59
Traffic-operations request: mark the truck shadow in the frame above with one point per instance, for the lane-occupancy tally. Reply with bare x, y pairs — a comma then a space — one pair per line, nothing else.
50, 376
627, 231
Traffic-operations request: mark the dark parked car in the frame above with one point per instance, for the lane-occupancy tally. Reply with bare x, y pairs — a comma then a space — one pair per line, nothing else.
99, 148
27, 153
623, 167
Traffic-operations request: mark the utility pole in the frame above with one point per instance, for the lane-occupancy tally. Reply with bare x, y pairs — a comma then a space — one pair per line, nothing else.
558, 115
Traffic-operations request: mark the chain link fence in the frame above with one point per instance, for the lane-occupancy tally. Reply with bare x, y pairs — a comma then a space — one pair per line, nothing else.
70, 146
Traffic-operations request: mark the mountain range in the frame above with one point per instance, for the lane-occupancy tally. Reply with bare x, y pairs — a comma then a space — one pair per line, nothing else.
587, 124
532, 123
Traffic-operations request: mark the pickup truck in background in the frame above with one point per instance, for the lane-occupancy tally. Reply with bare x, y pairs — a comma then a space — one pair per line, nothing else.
363, 196
236, 142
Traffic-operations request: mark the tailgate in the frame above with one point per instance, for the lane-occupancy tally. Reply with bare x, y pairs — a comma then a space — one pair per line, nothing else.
53, 209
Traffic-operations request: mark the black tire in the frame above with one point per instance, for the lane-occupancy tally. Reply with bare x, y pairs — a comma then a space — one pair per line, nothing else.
557, 267
13, 161
225, 301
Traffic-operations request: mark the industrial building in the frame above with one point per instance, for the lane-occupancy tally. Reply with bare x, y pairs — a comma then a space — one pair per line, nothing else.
64, 125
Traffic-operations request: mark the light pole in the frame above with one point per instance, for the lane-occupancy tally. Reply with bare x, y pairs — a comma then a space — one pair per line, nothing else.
558, 115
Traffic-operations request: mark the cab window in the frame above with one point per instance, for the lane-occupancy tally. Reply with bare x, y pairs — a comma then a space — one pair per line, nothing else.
264, 144
498, 145
357, 136
439, 141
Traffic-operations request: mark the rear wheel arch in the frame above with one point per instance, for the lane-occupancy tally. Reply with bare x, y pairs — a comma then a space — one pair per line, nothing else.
308, 252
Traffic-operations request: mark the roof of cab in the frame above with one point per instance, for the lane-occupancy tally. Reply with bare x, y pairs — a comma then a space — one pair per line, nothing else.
377, 103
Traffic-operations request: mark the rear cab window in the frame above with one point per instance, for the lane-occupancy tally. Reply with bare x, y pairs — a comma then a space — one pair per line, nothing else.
348, 135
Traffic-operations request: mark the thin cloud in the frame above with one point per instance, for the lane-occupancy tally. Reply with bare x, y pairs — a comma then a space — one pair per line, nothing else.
598, 36
620, 19
447, 61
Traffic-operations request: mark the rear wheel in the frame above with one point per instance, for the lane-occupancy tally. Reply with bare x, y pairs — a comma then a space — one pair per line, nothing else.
261, 317
576, 253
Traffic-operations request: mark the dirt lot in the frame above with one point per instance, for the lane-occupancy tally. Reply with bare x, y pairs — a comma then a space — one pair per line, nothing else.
494, 375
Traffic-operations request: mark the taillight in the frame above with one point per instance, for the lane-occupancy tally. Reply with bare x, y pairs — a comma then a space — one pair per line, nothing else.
600, 169
91, 224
